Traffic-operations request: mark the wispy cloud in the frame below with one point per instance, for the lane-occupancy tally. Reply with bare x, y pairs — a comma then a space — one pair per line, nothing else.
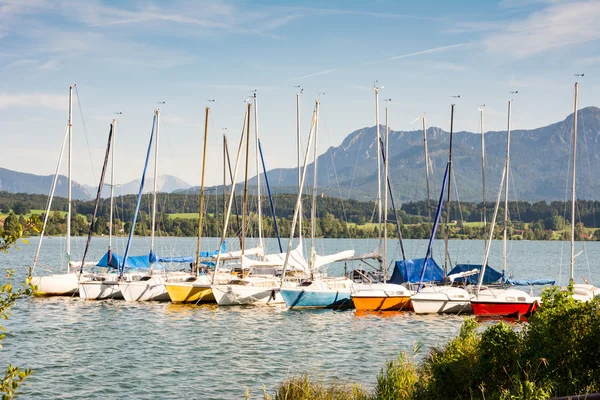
418, 53
555, 26
50, 64
45, 100
324, 72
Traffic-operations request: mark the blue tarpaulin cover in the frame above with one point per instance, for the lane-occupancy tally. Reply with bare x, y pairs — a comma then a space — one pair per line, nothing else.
116, 261
490, 275
410, 271
529, 282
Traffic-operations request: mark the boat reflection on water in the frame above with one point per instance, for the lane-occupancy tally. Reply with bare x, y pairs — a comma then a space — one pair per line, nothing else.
382, 314
188, 309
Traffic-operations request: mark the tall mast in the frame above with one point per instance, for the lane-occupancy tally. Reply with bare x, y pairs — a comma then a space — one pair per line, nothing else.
245, 202
112, 185
426, 167
313, 210
573, 197
299, 154
385, 198
483, 174
377, 89
201, 207
153, 229
224, 177
259, 209
446, 237
506, 192
68, 249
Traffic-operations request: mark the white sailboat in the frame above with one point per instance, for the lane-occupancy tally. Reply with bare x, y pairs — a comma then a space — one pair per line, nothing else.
65, 284
443, 299
107, 286
581, 291
256, 287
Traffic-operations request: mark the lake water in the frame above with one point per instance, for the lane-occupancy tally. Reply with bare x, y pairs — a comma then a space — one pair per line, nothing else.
112, 349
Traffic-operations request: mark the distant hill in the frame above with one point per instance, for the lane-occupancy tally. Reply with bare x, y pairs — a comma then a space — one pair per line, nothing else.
540, 163
21, 182
166, 184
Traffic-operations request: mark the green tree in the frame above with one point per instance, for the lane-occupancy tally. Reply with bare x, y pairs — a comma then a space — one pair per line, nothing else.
21, 208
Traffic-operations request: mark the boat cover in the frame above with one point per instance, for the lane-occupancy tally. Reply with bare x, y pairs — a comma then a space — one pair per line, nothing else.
410, 271
529, 282
489, 276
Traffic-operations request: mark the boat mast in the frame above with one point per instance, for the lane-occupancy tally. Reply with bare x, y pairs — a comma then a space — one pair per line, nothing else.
573, 198
483, 173
446, 237
224, 176
385, 199
426, 166
506, 192
201, 207
153, 229
377, 89
68, 246
245, 202
112, 185
298, 199
260, 239
298, 151
313, 210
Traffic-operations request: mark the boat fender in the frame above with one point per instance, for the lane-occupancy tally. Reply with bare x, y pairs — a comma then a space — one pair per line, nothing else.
272, 297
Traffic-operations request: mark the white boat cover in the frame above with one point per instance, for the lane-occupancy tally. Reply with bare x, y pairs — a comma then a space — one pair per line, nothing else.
462, 274
296, 262
341, 256
235, 255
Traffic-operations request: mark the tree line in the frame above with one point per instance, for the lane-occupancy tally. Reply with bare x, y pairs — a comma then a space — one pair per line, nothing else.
336, 218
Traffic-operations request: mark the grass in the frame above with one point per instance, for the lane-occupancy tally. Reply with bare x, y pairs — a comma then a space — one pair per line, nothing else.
186, 215
38, 212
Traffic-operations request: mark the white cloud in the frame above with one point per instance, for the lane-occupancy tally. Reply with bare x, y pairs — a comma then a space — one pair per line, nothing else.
553, 27
324, 72
44, 100
50, 64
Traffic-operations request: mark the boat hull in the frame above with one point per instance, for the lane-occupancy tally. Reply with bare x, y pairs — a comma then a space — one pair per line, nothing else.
301, 298
150, 290
236, 295
55, 285
439, 306
502, 309
381, 303
100, 290
189, 293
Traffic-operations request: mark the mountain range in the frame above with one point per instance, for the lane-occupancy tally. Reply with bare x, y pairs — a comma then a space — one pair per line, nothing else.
21, 182
540, 163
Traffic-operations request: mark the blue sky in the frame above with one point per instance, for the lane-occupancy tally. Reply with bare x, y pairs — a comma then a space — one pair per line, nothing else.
129, 55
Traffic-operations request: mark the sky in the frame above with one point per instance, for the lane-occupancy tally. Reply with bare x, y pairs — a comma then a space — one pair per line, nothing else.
129, 56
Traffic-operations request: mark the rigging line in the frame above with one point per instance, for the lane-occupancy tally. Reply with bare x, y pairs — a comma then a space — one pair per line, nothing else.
362, 136
85, 133
455, 182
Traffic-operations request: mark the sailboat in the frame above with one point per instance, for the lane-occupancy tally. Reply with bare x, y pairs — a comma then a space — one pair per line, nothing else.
198, 288
259, 285
581, 291
105, 286
382, 296
447, 298
501, 302
318, 291
65, 284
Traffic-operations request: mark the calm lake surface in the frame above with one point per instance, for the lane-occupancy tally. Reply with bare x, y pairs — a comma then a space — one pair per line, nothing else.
112, 349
